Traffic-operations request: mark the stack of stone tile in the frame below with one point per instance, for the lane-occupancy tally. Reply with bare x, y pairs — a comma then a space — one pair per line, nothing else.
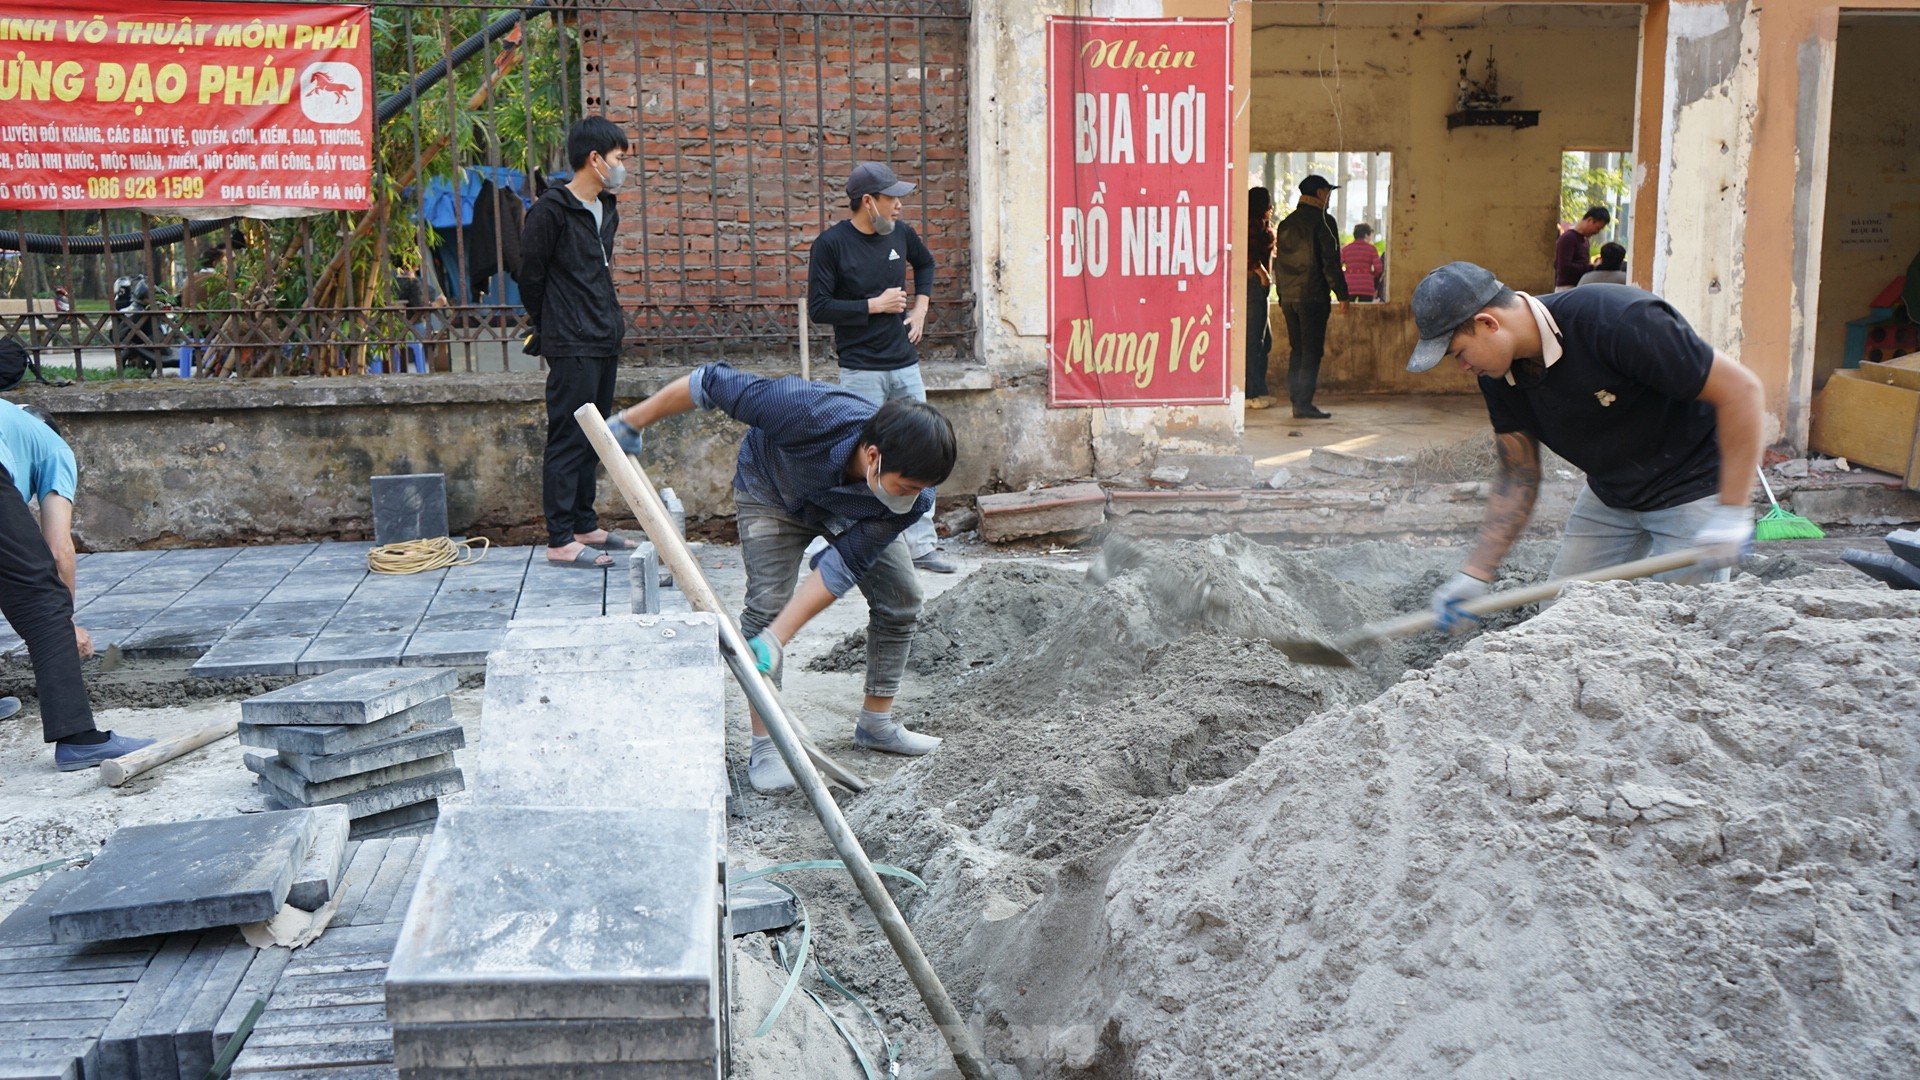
377, 741
125, 969
570, 922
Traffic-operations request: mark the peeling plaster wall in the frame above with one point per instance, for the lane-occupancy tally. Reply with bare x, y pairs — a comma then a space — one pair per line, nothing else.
1871, 171
1384, 77
1707, 139
1009, 159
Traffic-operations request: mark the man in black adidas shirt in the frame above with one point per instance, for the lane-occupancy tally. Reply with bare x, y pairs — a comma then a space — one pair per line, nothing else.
856, 281
1667, 428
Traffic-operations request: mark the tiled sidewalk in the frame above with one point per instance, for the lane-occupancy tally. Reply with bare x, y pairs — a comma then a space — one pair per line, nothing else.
306, 608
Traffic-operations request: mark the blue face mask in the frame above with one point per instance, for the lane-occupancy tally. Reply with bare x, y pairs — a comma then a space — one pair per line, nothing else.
899, 504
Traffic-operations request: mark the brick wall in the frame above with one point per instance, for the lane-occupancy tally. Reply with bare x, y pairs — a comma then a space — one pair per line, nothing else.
748, 125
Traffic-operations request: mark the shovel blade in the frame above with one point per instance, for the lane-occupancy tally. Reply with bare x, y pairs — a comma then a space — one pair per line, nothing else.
1316, 653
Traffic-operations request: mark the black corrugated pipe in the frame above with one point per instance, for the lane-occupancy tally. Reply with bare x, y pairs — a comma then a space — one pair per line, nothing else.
389, 107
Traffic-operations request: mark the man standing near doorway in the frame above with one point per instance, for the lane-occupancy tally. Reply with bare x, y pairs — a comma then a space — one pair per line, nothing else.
1306, 267
566, 281
1666, 427
856, 281
1572, 255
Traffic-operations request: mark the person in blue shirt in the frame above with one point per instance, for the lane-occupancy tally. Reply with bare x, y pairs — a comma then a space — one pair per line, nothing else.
37, 575
820, 461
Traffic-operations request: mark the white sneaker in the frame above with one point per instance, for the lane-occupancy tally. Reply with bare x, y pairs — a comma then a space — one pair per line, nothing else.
766, 770
895, 739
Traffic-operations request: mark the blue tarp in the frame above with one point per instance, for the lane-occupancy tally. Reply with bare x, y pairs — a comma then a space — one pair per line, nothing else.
438, 204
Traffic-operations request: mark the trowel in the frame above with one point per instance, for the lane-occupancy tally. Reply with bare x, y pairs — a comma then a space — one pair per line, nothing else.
1335, 653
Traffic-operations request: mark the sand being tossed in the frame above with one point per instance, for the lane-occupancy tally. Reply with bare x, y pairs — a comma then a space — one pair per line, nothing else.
1656, 832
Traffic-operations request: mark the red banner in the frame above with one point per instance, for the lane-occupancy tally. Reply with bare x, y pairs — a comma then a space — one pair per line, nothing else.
175, 105
1139, 132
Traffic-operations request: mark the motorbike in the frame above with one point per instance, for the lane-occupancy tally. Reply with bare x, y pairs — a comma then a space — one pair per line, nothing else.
142, 328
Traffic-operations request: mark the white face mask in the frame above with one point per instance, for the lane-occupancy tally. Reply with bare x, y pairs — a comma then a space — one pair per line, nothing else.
613, 181
899, 504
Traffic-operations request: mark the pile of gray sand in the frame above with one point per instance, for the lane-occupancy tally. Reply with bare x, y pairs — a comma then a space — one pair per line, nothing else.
1657, 831
970, 625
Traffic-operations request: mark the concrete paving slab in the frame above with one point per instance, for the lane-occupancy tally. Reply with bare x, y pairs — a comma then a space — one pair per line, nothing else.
291, 592
411, 746
534, 914
386, 797
185, 875
159, 641
397, 872
352, 651
561, 610
411, 506
604, 741
219, 957
199, 558
754, 907
415, 819
121, 560
232, 657
349, 697
319, 872
318, 739
262, 630
524, 1043
117, 1054
310, 793
627, 1070
193, 1036
365, 623
443, 620
463, 648
556, 632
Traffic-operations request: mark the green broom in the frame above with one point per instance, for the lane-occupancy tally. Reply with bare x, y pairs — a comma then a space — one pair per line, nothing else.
1777, 524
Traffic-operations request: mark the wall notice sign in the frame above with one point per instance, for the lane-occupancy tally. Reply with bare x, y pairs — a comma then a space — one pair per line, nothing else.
1866, 231
1138, 211
173, 105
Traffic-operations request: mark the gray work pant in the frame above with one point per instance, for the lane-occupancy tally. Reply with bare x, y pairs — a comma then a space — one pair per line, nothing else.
772, 543
881, 387
1598, 536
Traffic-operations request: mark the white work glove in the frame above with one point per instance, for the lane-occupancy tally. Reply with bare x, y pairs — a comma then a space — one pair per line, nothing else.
625, 434
1727, 535
1448, 598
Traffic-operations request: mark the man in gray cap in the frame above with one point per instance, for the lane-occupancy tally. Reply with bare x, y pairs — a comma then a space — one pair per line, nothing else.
856, 281
1666, 427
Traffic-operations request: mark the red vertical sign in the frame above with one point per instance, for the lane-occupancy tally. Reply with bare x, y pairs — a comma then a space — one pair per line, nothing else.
171, 105
1139, 130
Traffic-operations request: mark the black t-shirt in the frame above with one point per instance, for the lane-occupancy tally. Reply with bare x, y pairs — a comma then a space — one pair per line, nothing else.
1622, 401
846, 269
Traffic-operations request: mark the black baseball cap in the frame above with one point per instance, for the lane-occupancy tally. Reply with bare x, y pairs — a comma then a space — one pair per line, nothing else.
1444, 300
1314, 184
873, 178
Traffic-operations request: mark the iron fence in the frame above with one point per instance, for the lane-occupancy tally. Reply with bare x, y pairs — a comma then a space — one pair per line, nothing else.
745, 116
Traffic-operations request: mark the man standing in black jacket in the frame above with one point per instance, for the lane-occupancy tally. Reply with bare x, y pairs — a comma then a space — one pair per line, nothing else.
856, 281
566, 282
1306, 267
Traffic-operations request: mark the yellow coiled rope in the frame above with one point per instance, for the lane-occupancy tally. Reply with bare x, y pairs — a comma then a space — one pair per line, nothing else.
419, 556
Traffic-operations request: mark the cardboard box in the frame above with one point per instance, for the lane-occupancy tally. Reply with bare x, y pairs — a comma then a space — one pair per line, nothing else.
1871, 418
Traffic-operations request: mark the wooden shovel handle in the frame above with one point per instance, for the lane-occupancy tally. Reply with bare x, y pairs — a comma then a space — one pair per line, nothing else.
117, 771
1418, 622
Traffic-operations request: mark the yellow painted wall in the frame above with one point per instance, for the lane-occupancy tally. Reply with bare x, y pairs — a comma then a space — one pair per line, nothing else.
1384, 77
1872, 169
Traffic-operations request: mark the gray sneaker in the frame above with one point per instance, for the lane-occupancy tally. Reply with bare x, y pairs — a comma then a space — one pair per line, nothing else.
895, 739
766, 769
68, 757
937, 562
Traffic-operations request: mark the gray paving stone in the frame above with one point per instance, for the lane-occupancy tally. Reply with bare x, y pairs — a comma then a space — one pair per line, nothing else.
629, 1070
412, 746
254, 1060
349, 697
353, 651
229, 658
386, 797
319, 739
118, 1051
754, 907
311, 793
128, 561
141, 605
700, 631
478, 619
26, 924
534, 914
363, 866
263, 974
261, 630
312, 614
318, 590
186, 875
24, 1068
180, 1025
409, 507
159, 641
397, 872
197, 558
552, 1042
366, 623
463, 648
319, 872
643, 580
416, 819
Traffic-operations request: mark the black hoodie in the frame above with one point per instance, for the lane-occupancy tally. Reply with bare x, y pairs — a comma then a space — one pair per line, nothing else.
566, 276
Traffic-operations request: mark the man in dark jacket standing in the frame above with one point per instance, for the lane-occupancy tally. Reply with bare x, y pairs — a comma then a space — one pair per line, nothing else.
566, 281
1306, 267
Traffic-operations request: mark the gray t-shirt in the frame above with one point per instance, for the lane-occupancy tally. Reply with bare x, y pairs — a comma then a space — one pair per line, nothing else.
593, 207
